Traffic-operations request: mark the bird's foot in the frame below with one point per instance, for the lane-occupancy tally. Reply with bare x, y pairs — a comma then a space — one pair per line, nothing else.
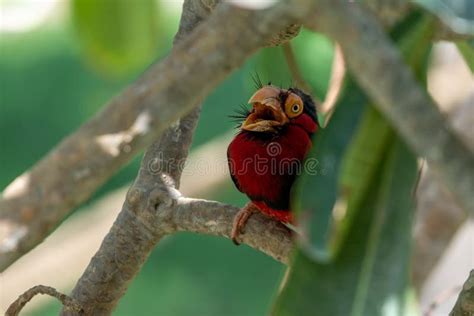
240, 220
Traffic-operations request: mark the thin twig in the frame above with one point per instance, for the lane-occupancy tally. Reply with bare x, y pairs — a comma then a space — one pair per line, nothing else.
336, 81
418, 178
69, 304
338, 73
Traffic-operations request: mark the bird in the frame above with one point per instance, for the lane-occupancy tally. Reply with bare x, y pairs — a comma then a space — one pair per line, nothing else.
268, 151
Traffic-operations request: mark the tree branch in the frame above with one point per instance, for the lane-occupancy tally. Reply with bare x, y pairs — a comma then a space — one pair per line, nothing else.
371, 56
390, 12
69, 304
214, 218
438, 217
465, 303
145, 219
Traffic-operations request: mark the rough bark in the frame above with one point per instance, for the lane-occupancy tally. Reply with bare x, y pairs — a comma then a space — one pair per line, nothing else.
465, 303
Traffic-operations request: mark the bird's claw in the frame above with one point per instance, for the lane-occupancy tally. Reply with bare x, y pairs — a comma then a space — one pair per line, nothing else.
240, 220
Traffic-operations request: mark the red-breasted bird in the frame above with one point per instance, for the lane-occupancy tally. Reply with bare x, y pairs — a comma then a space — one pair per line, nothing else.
268, 152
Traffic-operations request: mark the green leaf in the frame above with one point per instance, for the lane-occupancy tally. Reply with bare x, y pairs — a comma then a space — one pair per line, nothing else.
359, 168
467, 50
118, 36
367, 276
457, 14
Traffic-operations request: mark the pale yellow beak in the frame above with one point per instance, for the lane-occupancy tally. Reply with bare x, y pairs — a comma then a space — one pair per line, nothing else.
267, 113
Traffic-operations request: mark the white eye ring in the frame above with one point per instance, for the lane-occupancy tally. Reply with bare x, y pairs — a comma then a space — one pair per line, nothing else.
295, 108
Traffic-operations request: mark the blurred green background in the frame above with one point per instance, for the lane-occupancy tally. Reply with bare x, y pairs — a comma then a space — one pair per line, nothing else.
56, 75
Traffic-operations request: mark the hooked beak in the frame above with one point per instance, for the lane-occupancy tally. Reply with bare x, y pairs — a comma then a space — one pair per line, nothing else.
267, 113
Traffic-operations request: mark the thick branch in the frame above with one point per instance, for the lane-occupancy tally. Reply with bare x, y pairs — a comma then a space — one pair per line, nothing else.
214, 218
377, 65
465, 304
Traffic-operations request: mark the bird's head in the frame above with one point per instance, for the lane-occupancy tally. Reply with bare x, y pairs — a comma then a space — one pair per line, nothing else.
274, 108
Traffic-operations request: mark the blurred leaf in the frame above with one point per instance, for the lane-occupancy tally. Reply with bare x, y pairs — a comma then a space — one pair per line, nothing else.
318, 188
316, 193
467, 50
118, 36
357, 264
457, 14
369, 274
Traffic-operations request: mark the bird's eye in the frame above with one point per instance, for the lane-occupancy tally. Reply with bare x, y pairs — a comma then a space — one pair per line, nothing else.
293, 105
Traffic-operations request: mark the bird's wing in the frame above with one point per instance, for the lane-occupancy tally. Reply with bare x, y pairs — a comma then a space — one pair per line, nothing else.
234, 178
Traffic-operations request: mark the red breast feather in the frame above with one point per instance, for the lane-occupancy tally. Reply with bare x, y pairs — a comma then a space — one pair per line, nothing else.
264, 167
